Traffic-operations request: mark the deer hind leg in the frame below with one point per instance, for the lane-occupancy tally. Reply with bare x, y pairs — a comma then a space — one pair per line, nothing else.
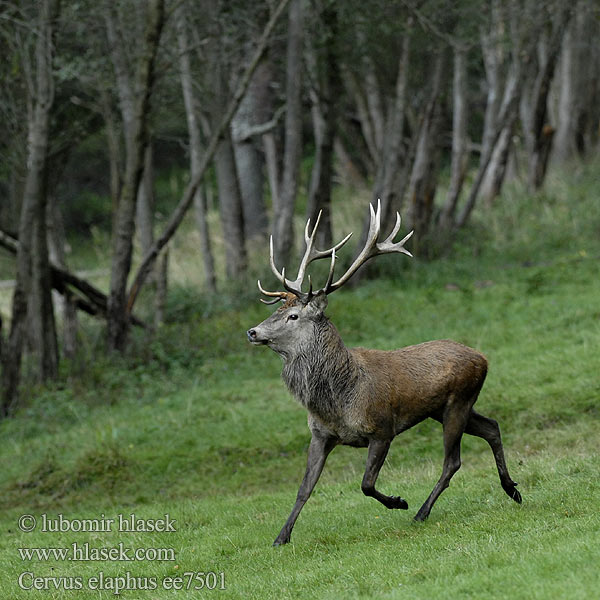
488, 429
378, 450
454, 422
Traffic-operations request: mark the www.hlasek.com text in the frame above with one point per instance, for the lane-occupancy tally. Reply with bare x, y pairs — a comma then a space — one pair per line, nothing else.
85, 552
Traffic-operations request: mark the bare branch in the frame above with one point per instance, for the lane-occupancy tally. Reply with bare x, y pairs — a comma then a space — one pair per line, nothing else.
428, 25
243, 135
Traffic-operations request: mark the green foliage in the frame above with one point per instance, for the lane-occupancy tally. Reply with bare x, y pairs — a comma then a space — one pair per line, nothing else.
197, 424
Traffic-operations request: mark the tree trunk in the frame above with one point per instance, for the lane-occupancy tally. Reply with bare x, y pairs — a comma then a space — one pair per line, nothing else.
374, 105
195, 148
283, 231
32, 288
114, 153
460, 156
323, 61
389, 162
391, 159
230, 204
145, 202
135, 106
357, 94
498, 167
200, 216
41, 309
248, 160
492, 51
145, 227
569, 102
162, 281
541, 132
56, 244
423, 180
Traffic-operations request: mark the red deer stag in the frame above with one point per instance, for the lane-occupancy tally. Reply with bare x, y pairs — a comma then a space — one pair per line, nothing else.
364, 398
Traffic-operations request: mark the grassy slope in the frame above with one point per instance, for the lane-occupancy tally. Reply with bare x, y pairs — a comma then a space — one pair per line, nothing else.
204, 430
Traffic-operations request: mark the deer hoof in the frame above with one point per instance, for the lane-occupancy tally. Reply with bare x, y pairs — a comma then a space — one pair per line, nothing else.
397, 502
516, 496
281, 540
513, 493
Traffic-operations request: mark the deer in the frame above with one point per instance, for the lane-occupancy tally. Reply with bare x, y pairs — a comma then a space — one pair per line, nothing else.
364, 398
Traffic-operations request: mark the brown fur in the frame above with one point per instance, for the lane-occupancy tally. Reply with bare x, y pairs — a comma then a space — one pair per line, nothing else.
364, 398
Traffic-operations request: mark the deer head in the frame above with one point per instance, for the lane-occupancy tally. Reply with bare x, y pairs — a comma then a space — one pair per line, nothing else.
291, 328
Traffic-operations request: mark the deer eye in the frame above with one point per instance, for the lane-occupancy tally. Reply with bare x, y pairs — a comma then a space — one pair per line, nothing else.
293, 317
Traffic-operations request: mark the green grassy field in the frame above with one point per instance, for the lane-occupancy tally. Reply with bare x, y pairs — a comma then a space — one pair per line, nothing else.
198, 425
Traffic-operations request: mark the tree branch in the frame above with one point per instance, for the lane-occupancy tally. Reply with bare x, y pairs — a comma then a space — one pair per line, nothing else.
428, 25
243, 135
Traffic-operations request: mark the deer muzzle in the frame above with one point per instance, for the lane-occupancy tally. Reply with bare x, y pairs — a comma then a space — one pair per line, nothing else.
255, 338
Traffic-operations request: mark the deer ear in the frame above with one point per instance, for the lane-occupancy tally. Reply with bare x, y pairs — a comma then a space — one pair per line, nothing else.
318, 303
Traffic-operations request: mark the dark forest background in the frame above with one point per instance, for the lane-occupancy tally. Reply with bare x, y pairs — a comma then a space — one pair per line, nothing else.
123, 120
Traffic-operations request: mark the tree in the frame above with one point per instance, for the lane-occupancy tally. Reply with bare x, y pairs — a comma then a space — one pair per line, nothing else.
32, 300
325, 91
195, 145
423, 178
459, 160
577, 86
538, 131
134, 90
283, 232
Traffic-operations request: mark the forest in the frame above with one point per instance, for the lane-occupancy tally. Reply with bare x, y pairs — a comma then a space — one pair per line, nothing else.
120, 118
154, 153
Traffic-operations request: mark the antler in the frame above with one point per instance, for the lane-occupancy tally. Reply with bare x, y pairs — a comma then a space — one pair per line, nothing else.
372, 248
310, 254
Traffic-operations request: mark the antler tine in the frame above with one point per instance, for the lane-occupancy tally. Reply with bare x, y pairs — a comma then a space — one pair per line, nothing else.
277, 295
366, 252
308, 253
310, 238
389, 246
331, 269
396, 229
272, 261
311, 253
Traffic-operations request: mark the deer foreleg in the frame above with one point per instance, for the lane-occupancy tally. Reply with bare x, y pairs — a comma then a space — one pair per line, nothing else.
378, 450
318, 450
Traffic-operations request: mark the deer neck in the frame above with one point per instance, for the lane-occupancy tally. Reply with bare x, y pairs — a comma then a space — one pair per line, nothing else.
322, 375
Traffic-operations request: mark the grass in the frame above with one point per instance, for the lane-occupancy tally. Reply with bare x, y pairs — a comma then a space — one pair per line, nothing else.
198, 425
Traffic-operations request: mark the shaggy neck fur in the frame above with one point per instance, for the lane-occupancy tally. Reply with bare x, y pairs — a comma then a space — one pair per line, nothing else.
322, 375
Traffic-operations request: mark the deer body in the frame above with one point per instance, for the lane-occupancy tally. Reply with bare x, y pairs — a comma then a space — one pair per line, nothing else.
355, 393
364, 398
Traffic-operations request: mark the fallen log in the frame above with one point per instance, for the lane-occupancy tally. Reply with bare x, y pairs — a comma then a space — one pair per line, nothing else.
87, 298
